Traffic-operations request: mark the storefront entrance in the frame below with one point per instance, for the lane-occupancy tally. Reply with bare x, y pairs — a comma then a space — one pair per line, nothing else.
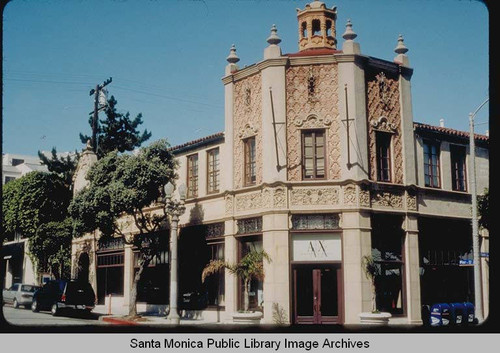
317, 294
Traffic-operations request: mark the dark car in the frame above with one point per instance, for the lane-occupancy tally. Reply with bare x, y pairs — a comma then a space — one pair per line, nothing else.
59, 295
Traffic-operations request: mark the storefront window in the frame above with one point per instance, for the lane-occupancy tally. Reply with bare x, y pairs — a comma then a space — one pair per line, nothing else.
215, 284
256, 293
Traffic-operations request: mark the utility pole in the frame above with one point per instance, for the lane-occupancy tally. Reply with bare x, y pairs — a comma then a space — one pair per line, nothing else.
478, 298
96, 91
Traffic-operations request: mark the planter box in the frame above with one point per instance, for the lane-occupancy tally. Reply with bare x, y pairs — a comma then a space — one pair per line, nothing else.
375, 318
251, 318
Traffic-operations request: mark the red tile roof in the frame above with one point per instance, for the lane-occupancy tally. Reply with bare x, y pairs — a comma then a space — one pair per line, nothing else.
199, 141
314, 52
448, 131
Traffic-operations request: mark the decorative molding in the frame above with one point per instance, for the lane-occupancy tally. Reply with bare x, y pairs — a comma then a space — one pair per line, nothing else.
383, 90
314, 196
229, 204
382, 124
279, 199
350, 195
387, 199
248, 201
247, 131
364, 196
313, 122
411, 201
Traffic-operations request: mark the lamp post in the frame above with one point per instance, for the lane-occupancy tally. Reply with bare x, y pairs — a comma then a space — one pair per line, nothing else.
478, 300
175, 209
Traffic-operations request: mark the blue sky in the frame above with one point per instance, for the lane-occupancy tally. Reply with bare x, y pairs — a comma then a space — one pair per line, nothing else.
167, 59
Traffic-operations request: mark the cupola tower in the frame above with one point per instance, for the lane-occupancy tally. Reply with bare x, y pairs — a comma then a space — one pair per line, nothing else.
317, 26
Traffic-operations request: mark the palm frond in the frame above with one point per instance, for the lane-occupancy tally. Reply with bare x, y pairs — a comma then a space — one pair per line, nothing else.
214, 266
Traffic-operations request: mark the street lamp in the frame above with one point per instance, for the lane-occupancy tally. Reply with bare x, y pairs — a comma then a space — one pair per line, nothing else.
475, 232
175, 209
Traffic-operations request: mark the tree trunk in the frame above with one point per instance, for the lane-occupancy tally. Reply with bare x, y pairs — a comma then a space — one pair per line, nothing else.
132, 307
246, 299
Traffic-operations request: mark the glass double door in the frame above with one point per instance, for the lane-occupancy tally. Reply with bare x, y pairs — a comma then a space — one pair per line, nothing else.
317, 294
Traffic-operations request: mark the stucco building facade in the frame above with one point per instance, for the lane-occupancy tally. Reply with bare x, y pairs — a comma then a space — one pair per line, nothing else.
320, 164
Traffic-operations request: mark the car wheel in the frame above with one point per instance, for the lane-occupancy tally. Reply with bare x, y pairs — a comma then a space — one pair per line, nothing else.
15, 304
34, 306
54, 310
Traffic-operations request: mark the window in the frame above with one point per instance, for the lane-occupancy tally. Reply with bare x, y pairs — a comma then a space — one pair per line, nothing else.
192, 175
213, 170
250, 170
256, 290
16, 161
458, 174
215, 283
431, 164
9, 179
383, 156
313, 154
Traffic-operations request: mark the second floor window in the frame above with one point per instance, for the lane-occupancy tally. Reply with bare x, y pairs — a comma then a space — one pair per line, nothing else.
383, 141
250, 170
213, 170
192, 175
313, 154
458, 171
431, 164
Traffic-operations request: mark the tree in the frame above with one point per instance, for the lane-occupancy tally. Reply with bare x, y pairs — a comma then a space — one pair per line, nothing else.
126, 185
251, 266
483, 205
117, 131
29, 204
64, 167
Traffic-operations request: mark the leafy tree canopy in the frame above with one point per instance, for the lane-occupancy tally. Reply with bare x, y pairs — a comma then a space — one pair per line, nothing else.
64, 167
117, 131
123, 184
483, 205
32, 200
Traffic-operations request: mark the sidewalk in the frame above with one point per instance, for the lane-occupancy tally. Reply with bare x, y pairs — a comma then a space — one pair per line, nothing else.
118, 317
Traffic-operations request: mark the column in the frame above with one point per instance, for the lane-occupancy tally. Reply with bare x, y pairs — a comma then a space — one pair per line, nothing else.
412, 270
231, 283
128, 273
356, 243
277, 279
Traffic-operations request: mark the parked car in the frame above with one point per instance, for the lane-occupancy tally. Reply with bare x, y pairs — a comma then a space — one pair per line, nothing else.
19, 294
60, 295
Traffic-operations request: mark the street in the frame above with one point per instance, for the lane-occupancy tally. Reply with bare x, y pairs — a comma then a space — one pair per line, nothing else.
23, 316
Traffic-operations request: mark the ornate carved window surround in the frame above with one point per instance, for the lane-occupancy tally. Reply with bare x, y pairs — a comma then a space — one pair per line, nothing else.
313, 121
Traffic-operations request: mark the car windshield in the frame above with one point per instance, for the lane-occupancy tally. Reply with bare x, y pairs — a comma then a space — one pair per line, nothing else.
28, 288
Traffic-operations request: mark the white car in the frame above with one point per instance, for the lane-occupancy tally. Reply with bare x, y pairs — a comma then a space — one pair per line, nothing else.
19, 294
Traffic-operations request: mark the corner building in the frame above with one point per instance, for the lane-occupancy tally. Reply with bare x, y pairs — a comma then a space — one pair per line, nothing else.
321, 164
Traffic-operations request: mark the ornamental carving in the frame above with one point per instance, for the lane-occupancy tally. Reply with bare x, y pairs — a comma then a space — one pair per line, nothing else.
387, 199
350, 195
267, 200
311, 196
247, 117
247, 131
248, 201
364, 197
313, 122
411, 201
280, 197
321, 112
384, 115
383, 90
382, 124
229, 204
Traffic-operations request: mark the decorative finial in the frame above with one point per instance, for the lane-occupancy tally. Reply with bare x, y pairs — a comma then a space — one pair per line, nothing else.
401, 48
232, 58
349, 34
273, 38
88, 147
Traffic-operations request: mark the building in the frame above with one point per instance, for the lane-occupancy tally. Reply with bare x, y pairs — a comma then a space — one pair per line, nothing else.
16, 263
320, 164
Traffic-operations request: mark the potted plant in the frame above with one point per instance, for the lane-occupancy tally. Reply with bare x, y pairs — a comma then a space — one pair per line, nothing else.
250, 267
372, 270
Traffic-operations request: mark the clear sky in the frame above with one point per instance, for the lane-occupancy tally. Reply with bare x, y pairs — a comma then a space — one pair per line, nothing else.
167, 58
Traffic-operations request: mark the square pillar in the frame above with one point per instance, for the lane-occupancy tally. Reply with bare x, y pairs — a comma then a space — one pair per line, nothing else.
231, 283
412, 270
356, 243
275, 241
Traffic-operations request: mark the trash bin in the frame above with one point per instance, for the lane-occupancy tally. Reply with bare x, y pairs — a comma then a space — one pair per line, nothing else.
440, 314
457, 314
468, 313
